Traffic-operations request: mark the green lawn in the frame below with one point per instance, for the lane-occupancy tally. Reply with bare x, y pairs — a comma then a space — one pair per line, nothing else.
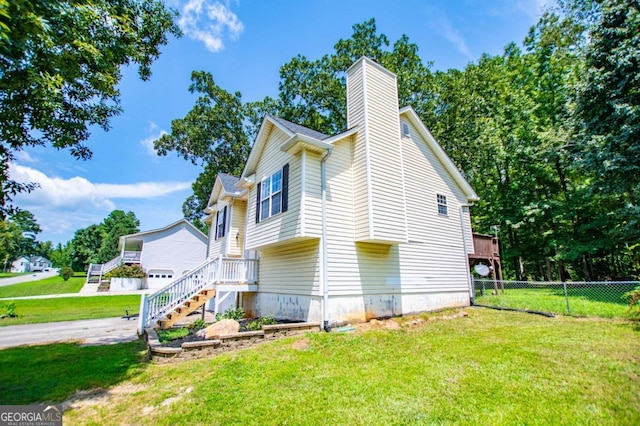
491, 368
12, 274
31, 311
601, 301
54, 372
53, 285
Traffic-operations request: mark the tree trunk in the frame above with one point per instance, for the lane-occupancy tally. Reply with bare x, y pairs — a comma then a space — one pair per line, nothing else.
549, 269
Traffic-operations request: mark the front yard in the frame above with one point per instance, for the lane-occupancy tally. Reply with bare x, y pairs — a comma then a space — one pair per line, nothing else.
488, 368
54, 309
52, 285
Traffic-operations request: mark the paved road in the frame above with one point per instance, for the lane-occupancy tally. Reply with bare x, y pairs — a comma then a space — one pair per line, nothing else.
35, 276
90, 332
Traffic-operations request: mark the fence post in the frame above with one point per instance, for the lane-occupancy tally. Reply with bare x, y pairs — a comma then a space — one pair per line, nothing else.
566, 296
143, 314
473, 290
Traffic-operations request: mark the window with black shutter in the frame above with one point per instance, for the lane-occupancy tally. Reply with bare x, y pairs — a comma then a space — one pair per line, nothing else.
221, 222
272, 194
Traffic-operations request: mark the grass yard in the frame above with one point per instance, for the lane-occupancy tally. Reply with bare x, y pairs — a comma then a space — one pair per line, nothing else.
53, 372
600, 302
32, 311
491, 368
12, 274
53, 285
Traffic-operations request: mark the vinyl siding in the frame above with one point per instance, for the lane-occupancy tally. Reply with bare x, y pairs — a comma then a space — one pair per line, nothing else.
379, 186
236, 230
216, 247
176, 249
387, 183
361, 179
433, 261
436, 250
291, 269
313, 195
283, 226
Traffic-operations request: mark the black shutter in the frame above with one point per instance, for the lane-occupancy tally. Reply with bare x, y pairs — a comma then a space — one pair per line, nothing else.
215, 225
285, 188
224, 221
258, 202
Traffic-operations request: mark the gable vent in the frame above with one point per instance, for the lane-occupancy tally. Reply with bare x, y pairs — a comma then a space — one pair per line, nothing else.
405, 129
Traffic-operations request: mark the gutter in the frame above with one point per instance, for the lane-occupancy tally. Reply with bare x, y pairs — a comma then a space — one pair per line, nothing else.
324, 265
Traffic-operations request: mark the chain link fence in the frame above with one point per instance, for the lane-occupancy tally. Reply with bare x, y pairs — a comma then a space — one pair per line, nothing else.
591, 298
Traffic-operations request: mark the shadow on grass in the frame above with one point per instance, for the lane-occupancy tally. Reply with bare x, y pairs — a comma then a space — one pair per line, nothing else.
52, 373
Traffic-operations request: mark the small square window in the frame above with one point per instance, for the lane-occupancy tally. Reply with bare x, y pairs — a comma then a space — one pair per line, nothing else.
442, 204
405, 129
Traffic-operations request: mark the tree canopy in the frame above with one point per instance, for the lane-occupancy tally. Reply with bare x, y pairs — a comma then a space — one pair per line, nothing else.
60, 65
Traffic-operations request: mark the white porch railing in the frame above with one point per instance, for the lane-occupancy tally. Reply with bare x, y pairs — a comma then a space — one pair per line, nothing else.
155, 306
100, 269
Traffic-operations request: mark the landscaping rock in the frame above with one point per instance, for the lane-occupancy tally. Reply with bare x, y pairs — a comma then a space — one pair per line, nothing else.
225, 326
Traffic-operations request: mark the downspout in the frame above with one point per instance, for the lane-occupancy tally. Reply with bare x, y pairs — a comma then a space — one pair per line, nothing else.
324, 266
466, 254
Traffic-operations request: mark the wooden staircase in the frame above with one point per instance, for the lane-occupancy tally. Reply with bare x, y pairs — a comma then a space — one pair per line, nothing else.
196, 301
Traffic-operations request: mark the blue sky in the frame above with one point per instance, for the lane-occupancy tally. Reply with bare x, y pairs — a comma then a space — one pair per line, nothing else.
243, 43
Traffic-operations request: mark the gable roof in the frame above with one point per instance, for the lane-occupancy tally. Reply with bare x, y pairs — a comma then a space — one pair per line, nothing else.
288, 128
410, 114
199, 233
300, 130
228, 182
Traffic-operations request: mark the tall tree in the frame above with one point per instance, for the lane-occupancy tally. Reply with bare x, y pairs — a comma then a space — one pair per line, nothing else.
117, 224
60, 65
212, 134
608, 113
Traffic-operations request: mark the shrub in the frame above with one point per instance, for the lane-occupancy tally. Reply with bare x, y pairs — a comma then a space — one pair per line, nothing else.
257, 324
126, 271
66, 272
9, 310
198, 324
634, 302
231, 313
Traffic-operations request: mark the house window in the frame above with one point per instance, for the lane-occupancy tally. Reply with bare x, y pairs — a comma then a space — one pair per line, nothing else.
405, 129
442, 204
221, 222
272, 194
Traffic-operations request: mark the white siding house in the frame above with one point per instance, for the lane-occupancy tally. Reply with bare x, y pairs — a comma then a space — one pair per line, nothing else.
371, 222
396, 229
165, 253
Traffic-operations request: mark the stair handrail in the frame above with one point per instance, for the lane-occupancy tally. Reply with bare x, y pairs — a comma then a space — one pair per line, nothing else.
110, 265
155, 306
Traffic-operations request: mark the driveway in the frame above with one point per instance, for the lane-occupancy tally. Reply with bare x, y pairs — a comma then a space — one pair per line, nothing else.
33, 276
90, 332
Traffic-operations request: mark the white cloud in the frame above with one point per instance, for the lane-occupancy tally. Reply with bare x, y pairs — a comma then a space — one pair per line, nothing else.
154, 134
209, 22
533, 8
24, 157
446, 29
62, 206
77, 191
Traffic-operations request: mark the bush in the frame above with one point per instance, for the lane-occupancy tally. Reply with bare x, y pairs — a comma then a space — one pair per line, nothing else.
66, 272
257, 324
634, 302
231, 313
9, 310
126, 271
198, 324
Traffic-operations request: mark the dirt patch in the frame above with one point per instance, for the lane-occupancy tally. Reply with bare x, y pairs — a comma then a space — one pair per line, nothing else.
301, 344
406, 322
98, 396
